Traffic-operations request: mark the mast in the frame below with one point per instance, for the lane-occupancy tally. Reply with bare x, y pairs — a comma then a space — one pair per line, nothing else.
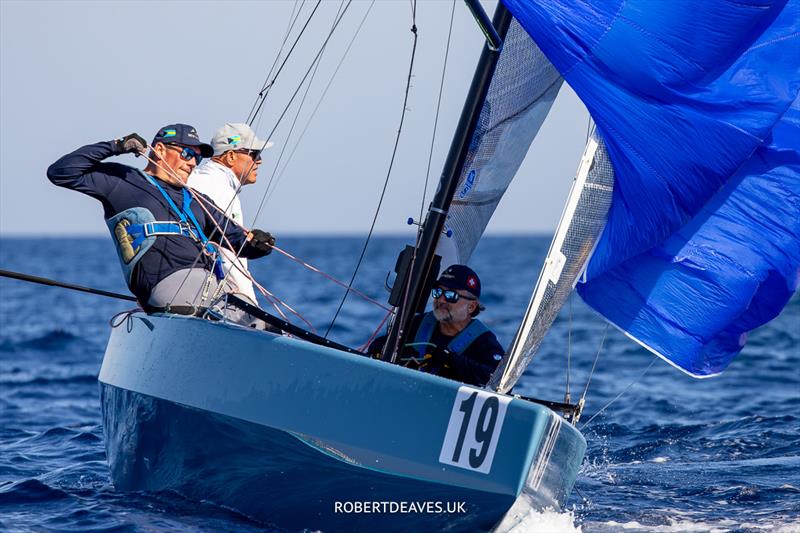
414, 299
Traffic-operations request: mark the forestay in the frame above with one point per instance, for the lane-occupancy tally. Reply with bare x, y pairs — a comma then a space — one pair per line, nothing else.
520, 96
581, 223
686, 96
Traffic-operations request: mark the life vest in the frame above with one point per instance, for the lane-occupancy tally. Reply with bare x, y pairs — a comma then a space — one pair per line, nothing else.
458, 344
135, 230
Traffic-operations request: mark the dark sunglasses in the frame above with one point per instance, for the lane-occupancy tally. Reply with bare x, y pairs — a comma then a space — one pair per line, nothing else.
187, 154
255, 155
450, 295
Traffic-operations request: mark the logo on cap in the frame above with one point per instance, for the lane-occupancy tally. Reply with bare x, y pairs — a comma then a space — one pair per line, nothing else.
169, 133
236, 139
472, 282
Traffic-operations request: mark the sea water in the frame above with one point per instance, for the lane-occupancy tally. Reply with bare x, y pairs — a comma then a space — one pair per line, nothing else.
671, 454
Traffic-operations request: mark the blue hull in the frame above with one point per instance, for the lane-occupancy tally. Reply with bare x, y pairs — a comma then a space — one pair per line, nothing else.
270, 475
303, 436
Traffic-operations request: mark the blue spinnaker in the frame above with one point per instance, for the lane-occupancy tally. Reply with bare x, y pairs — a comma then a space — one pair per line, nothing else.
686, 96
693, 298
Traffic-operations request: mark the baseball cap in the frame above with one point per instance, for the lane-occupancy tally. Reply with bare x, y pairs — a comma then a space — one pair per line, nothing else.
237, 136
182, 134
461, 277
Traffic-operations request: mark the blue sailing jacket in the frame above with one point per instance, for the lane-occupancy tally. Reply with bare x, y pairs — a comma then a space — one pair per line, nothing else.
122, 188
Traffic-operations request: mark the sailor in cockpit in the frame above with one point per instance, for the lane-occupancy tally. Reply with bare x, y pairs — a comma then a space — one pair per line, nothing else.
449, 341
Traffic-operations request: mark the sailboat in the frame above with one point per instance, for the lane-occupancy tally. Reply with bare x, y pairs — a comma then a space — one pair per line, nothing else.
298, 431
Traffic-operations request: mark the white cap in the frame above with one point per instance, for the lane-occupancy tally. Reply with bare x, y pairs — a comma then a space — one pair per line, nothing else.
237, 136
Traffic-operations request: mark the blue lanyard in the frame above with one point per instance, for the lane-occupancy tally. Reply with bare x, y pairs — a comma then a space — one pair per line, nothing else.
183, 213
197, 231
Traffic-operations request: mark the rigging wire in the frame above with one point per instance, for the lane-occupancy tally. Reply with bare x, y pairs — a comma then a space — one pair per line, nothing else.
252, 165
594, 364
296, 116
292, 20
319, 103
331, 278
277, 123
262, 95
391, 165
271, 298
569, 347
618, 396
364, 347
294, 95
413, 261
436, 119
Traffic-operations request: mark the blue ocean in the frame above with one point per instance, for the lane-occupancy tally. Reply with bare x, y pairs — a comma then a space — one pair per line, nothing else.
670, 454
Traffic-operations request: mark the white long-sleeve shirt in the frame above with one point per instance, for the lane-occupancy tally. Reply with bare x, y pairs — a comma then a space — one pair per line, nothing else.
219, 183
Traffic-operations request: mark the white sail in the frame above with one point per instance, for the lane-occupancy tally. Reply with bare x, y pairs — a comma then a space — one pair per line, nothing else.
520, 96
579, 229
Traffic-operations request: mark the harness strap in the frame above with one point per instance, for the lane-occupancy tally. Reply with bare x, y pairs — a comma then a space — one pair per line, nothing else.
139, 232
458, 344
425, 332
196, 232
461, 342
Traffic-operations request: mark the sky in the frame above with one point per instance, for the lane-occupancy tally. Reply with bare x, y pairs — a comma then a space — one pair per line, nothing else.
74, 73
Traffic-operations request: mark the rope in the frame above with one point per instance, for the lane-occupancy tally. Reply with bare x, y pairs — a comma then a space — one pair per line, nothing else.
365, 346
252, 116
328, 276
314, 65
594, 364
127, 317
253, 163
296, 115
267, 294
262, 95
389, 171
294, 95
618, 396
199, 200
319, 103
413, 261
292, 20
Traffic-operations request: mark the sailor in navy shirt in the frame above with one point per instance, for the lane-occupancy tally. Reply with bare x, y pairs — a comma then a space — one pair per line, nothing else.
165, 238
449, 341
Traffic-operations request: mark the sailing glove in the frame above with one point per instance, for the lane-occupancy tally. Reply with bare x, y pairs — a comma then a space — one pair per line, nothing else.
132, 143
261, 240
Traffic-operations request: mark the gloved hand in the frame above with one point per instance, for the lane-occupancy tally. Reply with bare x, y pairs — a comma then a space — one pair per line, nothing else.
261, 240
132, 143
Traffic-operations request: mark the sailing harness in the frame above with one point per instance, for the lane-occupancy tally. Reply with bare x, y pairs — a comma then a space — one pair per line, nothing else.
459, 343
135, 231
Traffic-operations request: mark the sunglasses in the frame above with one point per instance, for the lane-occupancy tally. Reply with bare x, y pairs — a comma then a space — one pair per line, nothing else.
450, 295
255, 155
187, 154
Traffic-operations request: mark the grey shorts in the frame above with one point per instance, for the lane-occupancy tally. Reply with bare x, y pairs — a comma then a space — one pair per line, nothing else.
190, 287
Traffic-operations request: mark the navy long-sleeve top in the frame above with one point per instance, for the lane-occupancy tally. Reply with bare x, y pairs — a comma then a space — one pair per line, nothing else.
119, 187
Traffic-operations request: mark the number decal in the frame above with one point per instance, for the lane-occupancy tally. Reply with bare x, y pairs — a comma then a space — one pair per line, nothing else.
466, 408
483, 431
474, 429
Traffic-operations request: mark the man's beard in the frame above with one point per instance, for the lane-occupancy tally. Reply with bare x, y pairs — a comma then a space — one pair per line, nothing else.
450, 315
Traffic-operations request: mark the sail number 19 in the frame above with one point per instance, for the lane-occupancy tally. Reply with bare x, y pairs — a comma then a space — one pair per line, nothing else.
474, 429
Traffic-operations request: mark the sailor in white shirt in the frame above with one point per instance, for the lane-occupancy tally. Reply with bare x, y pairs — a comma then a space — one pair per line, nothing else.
237, 157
